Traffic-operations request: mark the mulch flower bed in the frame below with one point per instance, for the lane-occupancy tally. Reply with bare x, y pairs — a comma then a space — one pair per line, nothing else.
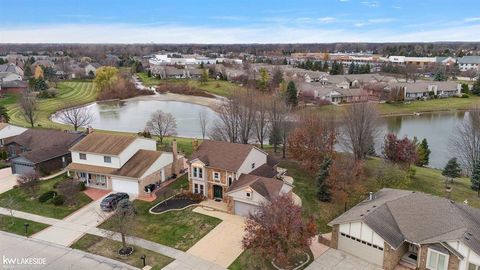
174, 203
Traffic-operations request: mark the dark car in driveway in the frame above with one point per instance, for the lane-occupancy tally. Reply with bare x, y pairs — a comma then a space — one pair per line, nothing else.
110, 202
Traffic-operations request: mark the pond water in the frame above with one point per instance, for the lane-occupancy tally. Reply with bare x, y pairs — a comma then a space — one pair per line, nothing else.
437, 128
132, 116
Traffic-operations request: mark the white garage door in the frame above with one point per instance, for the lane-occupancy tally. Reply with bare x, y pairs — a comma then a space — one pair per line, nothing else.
244, 209
361, 249
125, 186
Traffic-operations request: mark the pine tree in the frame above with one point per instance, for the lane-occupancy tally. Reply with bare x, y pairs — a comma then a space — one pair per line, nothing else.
351, 68
323, 189
476, 87
291, 97
423, 153
475, 178
325, 66
452, 169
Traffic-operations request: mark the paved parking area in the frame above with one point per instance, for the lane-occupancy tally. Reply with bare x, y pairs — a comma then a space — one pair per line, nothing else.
7, 180
333, 259
16, 247
222, 245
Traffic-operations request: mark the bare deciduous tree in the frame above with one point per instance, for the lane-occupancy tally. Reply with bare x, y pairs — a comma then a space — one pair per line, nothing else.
77, 117
29, 182
466, 141
360, 123
70, 189
203, 119
122, 222
29, 106
261, 124
277, 114
162, 124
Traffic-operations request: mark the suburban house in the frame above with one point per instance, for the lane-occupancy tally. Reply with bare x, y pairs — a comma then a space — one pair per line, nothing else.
122, 163
11, 68
40, 150
424, 89
240, 175
469, 62
91, 67
8, 131
413, 229
331, 93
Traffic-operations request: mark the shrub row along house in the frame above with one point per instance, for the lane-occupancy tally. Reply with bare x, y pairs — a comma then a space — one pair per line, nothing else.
435, 234
240, 175
122, 163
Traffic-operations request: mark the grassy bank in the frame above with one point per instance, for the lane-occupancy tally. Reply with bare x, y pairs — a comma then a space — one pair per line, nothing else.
71, 93
216, 87
108, 248
16, 225
20, 200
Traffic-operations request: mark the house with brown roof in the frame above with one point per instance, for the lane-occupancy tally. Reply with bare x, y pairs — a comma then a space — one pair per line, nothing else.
122, 163
40, 150
240, 175
412, 229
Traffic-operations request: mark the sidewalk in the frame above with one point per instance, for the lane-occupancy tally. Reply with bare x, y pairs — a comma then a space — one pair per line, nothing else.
183, 260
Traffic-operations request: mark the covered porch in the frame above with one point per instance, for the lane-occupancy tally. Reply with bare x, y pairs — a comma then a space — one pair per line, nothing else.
409, 259
93, 180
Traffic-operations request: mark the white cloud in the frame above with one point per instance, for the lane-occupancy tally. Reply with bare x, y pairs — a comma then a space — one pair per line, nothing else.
476, 19
372, 4
125, 33
326, 19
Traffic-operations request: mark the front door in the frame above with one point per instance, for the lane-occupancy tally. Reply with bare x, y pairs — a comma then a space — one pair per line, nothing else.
217, 192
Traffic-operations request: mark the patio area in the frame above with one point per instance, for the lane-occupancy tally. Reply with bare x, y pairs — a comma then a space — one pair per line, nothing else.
214, 205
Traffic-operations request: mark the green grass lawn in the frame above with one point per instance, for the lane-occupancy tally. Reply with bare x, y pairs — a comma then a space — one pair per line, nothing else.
180, 183
16, 225
24, 202
9, 99
71, 93
249, 260
216, 87
177, 229
425, 180
108, 248
432, 105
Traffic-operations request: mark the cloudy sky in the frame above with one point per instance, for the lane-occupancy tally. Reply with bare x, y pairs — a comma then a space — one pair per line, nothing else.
239, 21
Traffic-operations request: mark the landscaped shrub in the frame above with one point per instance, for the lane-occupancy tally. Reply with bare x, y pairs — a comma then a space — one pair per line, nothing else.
465, 95
82, 186
192, 196
47, 196
58, 200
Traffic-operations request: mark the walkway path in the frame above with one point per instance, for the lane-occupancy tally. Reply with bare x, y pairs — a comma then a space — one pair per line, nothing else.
56, 257
183, 260
223, 244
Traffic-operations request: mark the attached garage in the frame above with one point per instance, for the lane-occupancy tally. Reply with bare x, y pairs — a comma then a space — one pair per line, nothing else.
22, 166
244, 209
361, 249
130, 187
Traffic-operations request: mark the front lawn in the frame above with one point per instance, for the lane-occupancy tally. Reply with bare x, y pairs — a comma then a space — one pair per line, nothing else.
18, 199
432, 105
177, 229
9, 99
180, 183
16, 225
108, 248
70, 93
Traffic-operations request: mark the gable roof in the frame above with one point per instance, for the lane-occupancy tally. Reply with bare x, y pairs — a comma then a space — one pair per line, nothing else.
103, 143
222, 155
267, 187
45, 144
135, 167
433, 219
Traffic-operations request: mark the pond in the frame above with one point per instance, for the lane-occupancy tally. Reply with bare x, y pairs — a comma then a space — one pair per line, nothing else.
437, 128
132, 115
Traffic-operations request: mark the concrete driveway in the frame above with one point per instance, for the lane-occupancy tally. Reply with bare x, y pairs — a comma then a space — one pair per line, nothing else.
222, 245
333, 259
56, 257
7, 180
74, 226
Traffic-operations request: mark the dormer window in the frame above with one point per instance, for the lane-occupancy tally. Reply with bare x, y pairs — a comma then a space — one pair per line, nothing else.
82, 156
107, 159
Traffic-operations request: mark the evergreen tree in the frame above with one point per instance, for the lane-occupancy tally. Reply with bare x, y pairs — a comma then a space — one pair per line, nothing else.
285, 62
291, 97
439, 76
452, 169
351, 68
325, 66
476, 87
28, 71
3, 114
323, 189
475, 178
423, 153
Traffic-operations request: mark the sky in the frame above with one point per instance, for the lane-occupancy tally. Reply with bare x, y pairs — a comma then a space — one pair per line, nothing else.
240, 21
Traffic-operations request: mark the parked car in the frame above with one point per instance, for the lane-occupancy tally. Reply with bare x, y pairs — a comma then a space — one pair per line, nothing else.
110, 202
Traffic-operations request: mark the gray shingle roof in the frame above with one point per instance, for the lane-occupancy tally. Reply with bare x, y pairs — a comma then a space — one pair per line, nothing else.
469, 60
400, 215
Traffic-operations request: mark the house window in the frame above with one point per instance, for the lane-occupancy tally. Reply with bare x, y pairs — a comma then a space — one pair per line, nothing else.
82, 156
436, 260
253, 165
472, 266
248, 194
216, 176
195, 172
2, 142
230, 180
195, 189
198, 189
201, 189
107, 159
200, 173
83, 175
101, 179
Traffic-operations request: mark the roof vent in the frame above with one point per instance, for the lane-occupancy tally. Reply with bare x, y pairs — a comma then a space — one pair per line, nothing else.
370, 196
361, 215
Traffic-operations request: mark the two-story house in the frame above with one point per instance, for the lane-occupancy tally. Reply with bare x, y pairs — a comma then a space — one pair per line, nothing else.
240, 175
413, 229
122, 163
